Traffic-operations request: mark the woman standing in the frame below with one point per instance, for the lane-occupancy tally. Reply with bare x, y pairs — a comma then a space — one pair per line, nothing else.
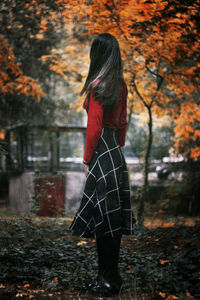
105, 211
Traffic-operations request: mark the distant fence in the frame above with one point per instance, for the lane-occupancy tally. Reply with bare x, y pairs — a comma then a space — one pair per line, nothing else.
42, 148
51, 150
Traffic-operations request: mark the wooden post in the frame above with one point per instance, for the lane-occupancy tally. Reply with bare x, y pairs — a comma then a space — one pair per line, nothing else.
20, 150
84, 138
54, 151
8, 155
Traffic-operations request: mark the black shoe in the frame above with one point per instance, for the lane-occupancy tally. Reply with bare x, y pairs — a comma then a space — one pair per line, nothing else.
89, 285
93, 283
102, 288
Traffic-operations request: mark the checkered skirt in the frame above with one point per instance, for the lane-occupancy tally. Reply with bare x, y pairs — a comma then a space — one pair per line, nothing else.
105, 207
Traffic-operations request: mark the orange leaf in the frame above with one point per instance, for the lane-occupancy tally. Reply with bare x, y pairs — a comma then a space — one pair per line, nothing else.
163, 261
2, 134
81, 243
197, 133
55, 279
195, 152
156, 240
187, 293
172, 297
168, 225
190, 222
163, 295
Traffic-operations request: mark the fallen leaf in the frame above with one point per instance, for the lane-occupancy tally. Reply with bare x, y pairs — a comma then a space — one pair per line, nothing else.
163, 261
162, 294
81, 243
2, 286
129, 267
187, 293
156, 240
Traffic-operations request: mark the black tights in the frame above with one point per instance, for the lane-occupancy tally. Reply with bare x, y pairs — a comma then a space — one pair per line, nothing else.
108, 256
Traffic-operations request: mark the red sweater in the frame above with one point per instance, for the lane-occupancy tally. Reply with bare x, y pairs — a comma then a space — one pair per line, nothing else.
98, 119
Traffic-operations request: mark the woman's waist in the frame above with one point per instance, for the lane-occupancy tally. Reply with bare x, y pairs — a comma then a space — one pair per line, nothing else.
109, 134
110, 123
109, 129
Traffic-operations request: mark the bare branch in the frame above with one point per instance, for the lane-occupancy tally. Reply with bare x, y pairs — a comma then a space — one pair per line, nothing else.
158, 76
138, 93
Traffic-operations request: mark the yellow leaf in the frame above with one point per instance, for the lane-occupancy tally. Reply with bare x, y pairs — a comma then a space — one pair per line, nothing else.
171, 297
163, 295
81, 243
78, 90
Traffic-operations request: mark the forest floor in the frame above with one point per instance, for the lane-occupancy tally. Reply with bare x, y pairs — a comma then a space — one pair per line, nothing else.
39, 259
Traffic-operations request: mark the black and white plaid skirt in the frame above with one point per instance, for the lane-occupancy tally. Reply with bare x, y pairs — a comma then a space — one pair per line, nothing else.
105, 207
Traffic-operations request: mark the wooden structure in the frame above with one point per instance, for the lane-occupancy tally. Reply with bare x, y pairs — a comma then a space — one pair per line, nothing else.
47, 150
39, 147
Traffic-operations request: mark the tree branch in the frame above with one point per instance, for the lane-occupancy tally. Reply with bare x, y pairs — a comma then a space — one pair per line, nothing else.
138, 93
154, 73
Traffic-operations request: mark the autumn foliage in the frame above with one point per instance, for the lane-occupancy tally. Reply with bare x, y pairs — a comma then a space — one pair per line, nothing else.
187, 130
29, 29
12, 78
160, 47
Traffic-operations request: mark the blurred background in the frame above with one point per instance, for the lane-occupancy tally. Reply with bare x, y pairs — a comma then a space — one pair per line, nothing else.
44, 59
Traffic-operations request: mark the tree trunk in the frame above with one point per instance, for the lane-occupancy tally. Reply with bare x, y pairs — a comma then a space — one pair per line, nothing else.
148, 150
144, 191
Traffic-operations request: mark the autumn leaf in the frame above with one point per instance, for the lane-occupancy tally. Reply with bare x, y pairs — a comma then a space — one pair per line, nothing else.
78, 90
171, 297
163, 261
2, 134
55, 279
81, 243
28, 86
130, 267
163, 295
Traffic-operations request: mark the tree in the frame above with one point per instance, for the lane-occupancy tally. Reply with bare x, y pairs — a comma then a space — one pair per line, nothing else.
28, 31
12, 79
187, 130
160, 45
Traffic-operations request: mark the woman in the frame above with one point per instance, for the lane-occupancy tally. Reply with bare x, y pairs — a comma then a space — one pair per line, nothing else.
105, 211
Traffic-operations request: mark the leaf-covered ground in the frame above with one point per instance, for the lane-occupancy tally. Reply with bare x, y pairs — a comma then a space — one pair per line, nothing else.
40, 260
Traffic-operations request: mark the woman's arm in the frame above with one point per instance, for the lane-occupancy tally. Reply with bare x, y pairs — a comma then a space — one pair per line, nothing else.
94, 127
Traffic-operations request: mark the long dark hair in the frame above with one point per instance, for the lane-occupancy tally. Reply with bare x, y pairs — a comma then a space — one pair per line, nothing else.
105, 74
